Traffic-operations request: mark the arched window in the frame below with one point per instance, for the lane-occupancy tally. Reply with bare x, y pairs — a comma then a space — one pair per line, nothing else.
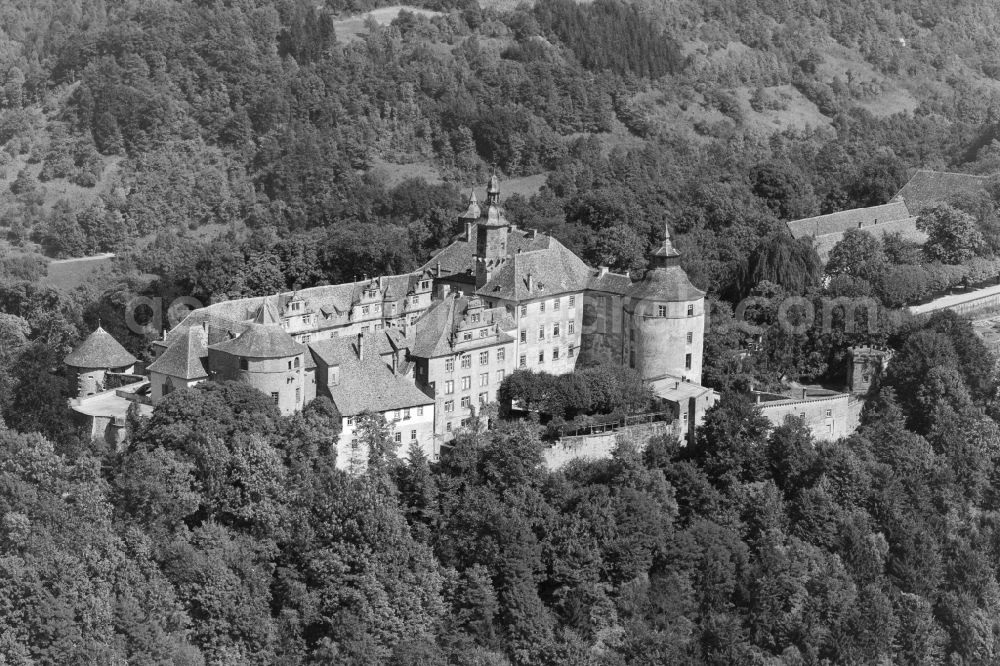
244, 364
297, 362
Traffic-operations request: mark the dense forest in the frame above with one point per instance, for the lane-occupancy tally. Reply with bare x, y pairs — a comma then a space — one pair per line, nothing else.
241, 147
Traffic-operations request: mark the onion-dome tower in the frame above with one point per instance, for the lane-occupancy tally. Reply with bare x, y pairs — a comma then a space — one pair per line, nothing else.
94, 357
665, 320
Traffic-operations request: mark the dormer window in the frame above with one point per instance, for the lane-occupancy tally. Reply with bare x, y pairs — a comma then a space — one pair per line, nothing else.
295, 305
475, 319
426, 284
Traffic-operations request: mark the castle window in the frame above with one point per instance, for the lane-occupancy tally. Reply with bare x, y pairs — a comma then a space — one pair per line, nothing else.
690, 337
466, 361
395, 415
466, 382
365, 329
449, 406
572, 301
447, 426
484, 358
500, 376
406, 414
501, 354
555, 329
541, 356
413, 435
524, 310
305, 319
449, 387
523, 361
467, 335
466, 402
661, 311
555, 304
690, 311
484, 379
449, 365
483, 398
274, 397
524, 336
297, 362
541, 332
298, 395
398, 437
631, 358
572, 327
555, 354
350, 420
365, 310
687, 361
483, 332
289, 365
829, 413
244, 364
475, 319
541, 306
802, 415
425, 284
420, 411
570, 352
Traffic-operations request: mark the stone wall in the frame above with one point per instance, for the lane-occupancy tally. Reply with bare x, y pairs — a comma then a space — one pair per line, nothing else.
600, 446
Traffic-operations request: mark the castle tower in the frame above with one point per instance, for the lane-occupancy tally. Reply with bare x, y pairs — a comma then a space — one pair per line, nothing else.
664, 317
99, 354
491, 236
867, 365
266, 357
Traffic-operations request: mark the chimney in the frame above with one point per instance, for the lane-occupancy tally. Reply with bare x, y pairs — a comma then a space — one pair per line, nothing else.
803, 393
532, 233
602, 271
361, 346
531, 282
443, 290
438, 269
333, 378
468, 232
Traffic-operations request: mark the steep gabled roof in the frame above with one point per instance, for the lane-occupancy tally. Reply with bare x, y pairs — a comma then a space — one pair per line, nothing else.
186, 358
365, 384
267, 313
849, 219
537, 274
100, 350
927, 188
444, 318
459, 256
260, 341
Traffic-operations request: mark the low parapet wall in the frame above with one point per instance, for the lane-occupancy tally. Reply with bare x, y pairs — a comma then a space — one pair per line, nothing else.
600, 446
979, 300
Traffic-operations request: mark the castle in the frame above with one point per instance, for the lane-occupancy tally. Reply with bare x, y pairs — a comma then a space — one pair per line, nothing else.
428, 349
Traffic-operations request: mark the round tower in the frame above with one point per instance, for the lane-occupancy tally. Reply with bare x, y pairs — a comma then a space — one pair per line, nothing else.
96, 356
665, 320
266, 357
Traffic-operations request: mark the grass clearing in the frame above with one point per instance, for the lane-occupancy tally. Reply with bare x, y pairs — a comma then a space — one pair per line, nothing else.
353, 27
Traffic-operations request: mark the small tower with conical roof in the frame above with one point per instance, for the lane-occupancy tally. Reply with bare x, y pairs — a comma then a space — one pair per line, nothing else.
665, 320
99, 354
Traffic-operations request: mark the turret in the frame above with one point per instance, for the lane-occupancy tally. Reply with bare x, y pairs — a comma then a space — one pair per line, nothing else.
491, 236
665, 320
96, 356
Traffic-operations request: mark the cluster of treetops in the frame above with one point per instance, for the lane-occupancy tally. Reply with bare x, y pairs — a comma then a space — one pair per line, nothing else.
226, 534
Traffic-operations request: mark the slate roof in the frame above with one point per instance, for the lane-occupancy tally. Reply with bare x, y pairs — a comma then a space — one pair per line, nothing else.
927, 188
553, 270
437, 325
906, 228
614, 283
665, 284
849, 219
365, 385
186, 358
458, 257
262, 341
100, 350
